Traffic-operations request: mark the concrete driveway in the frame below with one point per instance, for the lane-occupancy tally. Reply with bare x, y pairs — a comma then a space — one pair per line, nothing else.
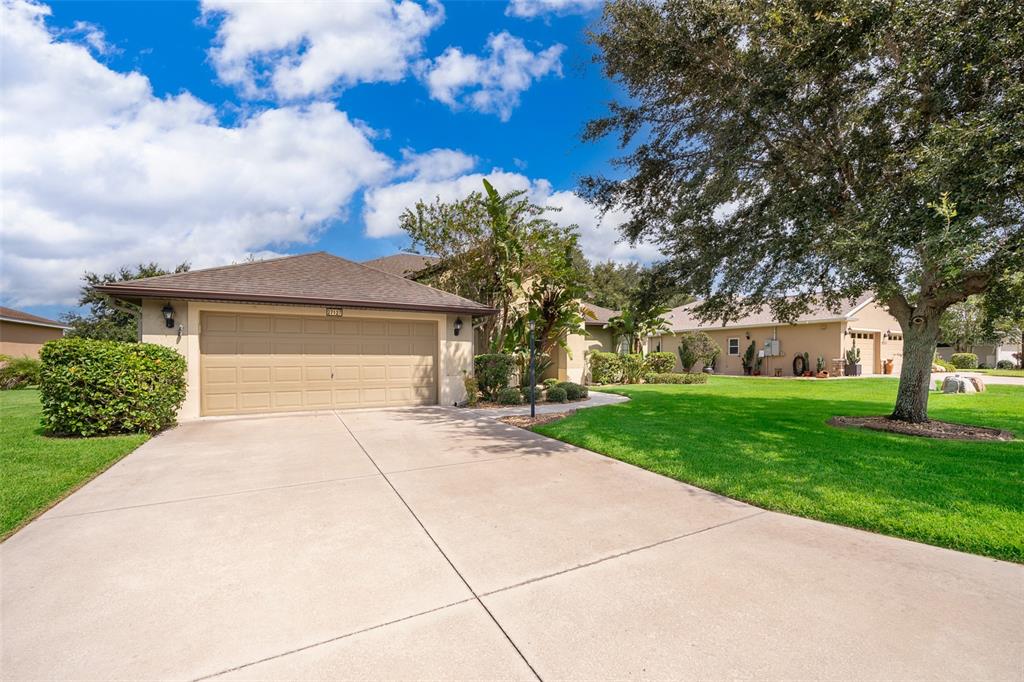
438, 544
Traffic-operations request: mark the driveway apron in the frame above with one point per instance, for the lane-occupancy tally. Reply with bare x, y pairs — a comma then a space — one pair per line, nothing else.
439, 543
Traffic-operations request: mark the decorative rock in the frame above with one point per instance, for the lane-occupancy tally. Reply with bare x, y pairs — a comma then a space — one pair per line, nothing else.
979, 384
937, 369
957, 384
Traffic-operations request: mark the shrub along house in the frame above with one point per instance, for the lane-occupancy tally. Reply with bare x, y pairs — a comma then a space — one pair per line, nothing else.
821, 332
572, 365
306, 332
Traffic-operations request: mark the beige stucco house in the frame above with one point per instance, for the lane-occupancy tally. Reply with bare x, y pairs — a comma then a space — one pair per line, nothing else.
23, 334
306, 332
820, 332
572, 364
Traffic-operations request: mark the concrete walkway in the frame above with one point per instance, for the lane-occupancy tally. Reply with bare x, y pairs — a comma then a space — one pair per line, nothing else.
435, 544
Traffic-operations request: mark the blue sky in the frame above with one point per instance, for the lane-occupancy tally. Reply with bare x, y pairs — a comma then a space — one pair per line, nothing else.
179, 131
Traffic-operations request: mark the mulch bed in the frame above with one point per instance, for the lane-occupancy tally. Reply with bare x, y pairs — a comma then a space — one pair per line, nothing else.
929, 429
524, 421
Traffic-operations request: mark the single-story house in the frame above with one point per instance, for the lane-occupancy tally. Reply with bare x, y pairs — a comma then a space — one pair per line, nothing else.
573, 365
988, 353
306, 332
23, 334
404, 264
820, 332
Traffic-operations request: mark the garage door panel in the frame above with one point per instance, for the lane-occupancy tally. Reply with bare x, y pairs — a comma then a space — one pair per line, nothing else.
262, 363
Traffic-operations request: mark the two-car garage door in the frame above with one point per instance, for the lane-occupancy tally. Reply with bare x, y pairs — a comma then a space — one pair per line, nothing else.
278, 363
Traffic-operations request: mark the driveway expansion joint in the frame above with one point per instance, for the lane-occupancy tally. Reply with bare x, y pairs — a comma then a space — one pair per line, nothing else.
206, 497
465, 582
332, 639
627, 552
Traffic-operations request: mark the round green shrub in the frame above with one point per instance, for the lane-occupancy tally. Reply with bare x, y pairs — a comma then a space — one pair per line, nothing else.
605, 368
510, 396
1004, 364
493, 371
574, 391
660, 363
89, 387
548, 383
556, 394
538, 392
964, 360
632, 367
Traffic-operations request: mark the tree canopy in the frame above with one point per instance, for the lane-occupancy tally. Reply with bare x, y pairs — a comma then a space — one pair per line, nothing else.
501, 250
783, 152
107, 318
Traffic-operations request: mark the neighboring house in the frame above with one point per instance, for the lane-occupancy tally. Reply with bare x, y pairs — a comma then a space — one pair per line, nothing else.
988, 353
306, 332
406, 265
23, 334
820, 332
573, 364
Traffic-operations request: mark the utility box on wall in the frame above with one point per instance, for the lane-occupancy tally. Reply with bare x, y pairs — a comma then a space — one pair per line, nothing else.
772, 347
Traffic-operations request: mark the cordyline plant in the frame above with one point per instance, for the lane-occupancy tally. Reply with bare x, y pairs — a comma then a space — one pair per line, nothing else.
782, 152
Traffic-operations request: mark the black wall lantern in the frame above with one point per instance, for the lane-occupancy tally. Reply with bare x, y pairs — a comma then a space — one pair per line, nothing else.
168, 312
458, 325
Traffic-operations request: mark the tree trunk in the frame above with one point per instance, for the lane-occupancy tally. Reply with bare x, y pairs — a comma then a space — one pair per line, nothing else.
916, 374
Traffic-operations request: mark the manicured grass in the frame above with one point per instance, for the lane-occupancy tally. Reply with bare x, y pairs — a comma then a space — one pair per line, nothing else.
36, 471
999, 372
766, 442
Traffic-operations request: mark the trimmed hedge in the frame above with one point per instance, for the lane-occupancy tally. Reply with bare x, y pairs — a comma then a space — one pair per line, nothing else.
493, 373
660, 363
538, 392
574, 391
510, 396
1005, 364
964, 360
89, 387
556, 394
605, 368
676, 378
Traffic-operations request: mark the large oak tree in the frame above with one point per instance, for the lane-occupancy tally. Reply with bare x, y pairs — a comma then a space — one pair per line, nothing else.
784, 151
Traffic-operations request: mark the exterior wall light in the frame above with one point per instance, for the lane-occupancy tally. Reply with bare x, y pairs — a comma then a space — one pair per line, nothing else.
168, 312
458, 325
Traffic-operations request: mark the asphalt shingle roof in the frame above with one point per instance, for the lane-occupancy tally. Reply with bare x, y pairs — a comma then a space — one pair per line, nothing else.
402, 264
682, 318
12, 315
311, 279
601, 314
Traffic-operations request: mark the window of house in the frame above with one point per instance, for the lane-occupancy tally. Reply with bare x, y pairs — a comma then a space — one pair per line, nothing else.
734, 346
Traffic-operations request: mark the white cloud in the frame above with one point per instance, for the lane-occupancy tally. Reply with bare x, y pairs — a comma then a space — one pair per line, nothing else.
97, 172
527, 9
436, 164
600, 238
299, 49
490, 84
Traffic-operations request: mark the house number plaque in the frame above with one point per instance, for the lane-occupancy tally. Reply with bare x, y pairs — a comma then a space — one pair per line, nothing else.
335, 312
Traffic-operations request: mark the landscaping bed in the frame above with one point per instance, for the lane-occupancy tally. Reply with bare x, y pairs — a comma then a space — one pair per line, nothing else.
768, 443
930, 429
525, 421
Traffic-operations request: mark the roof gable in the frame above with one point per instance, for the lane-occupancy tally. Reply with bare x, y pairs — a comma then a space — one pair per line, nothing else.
402, 264
311, 279
21, 317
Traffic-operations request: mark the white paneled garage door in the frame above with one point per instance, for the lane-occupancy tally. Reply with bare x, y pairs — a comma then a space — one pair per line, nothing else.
866, 342
278, 363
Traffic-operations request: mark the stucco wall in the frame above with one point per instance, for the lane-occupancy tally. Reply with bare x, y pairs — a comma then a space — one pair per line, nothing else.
572, 366
874, 319
455, 353
815, 339
18, 340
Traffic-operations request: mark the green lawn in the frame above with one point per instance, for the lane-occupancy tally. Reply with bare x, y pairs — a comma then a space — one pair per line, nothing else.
36, 471
766, 442
999, 372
